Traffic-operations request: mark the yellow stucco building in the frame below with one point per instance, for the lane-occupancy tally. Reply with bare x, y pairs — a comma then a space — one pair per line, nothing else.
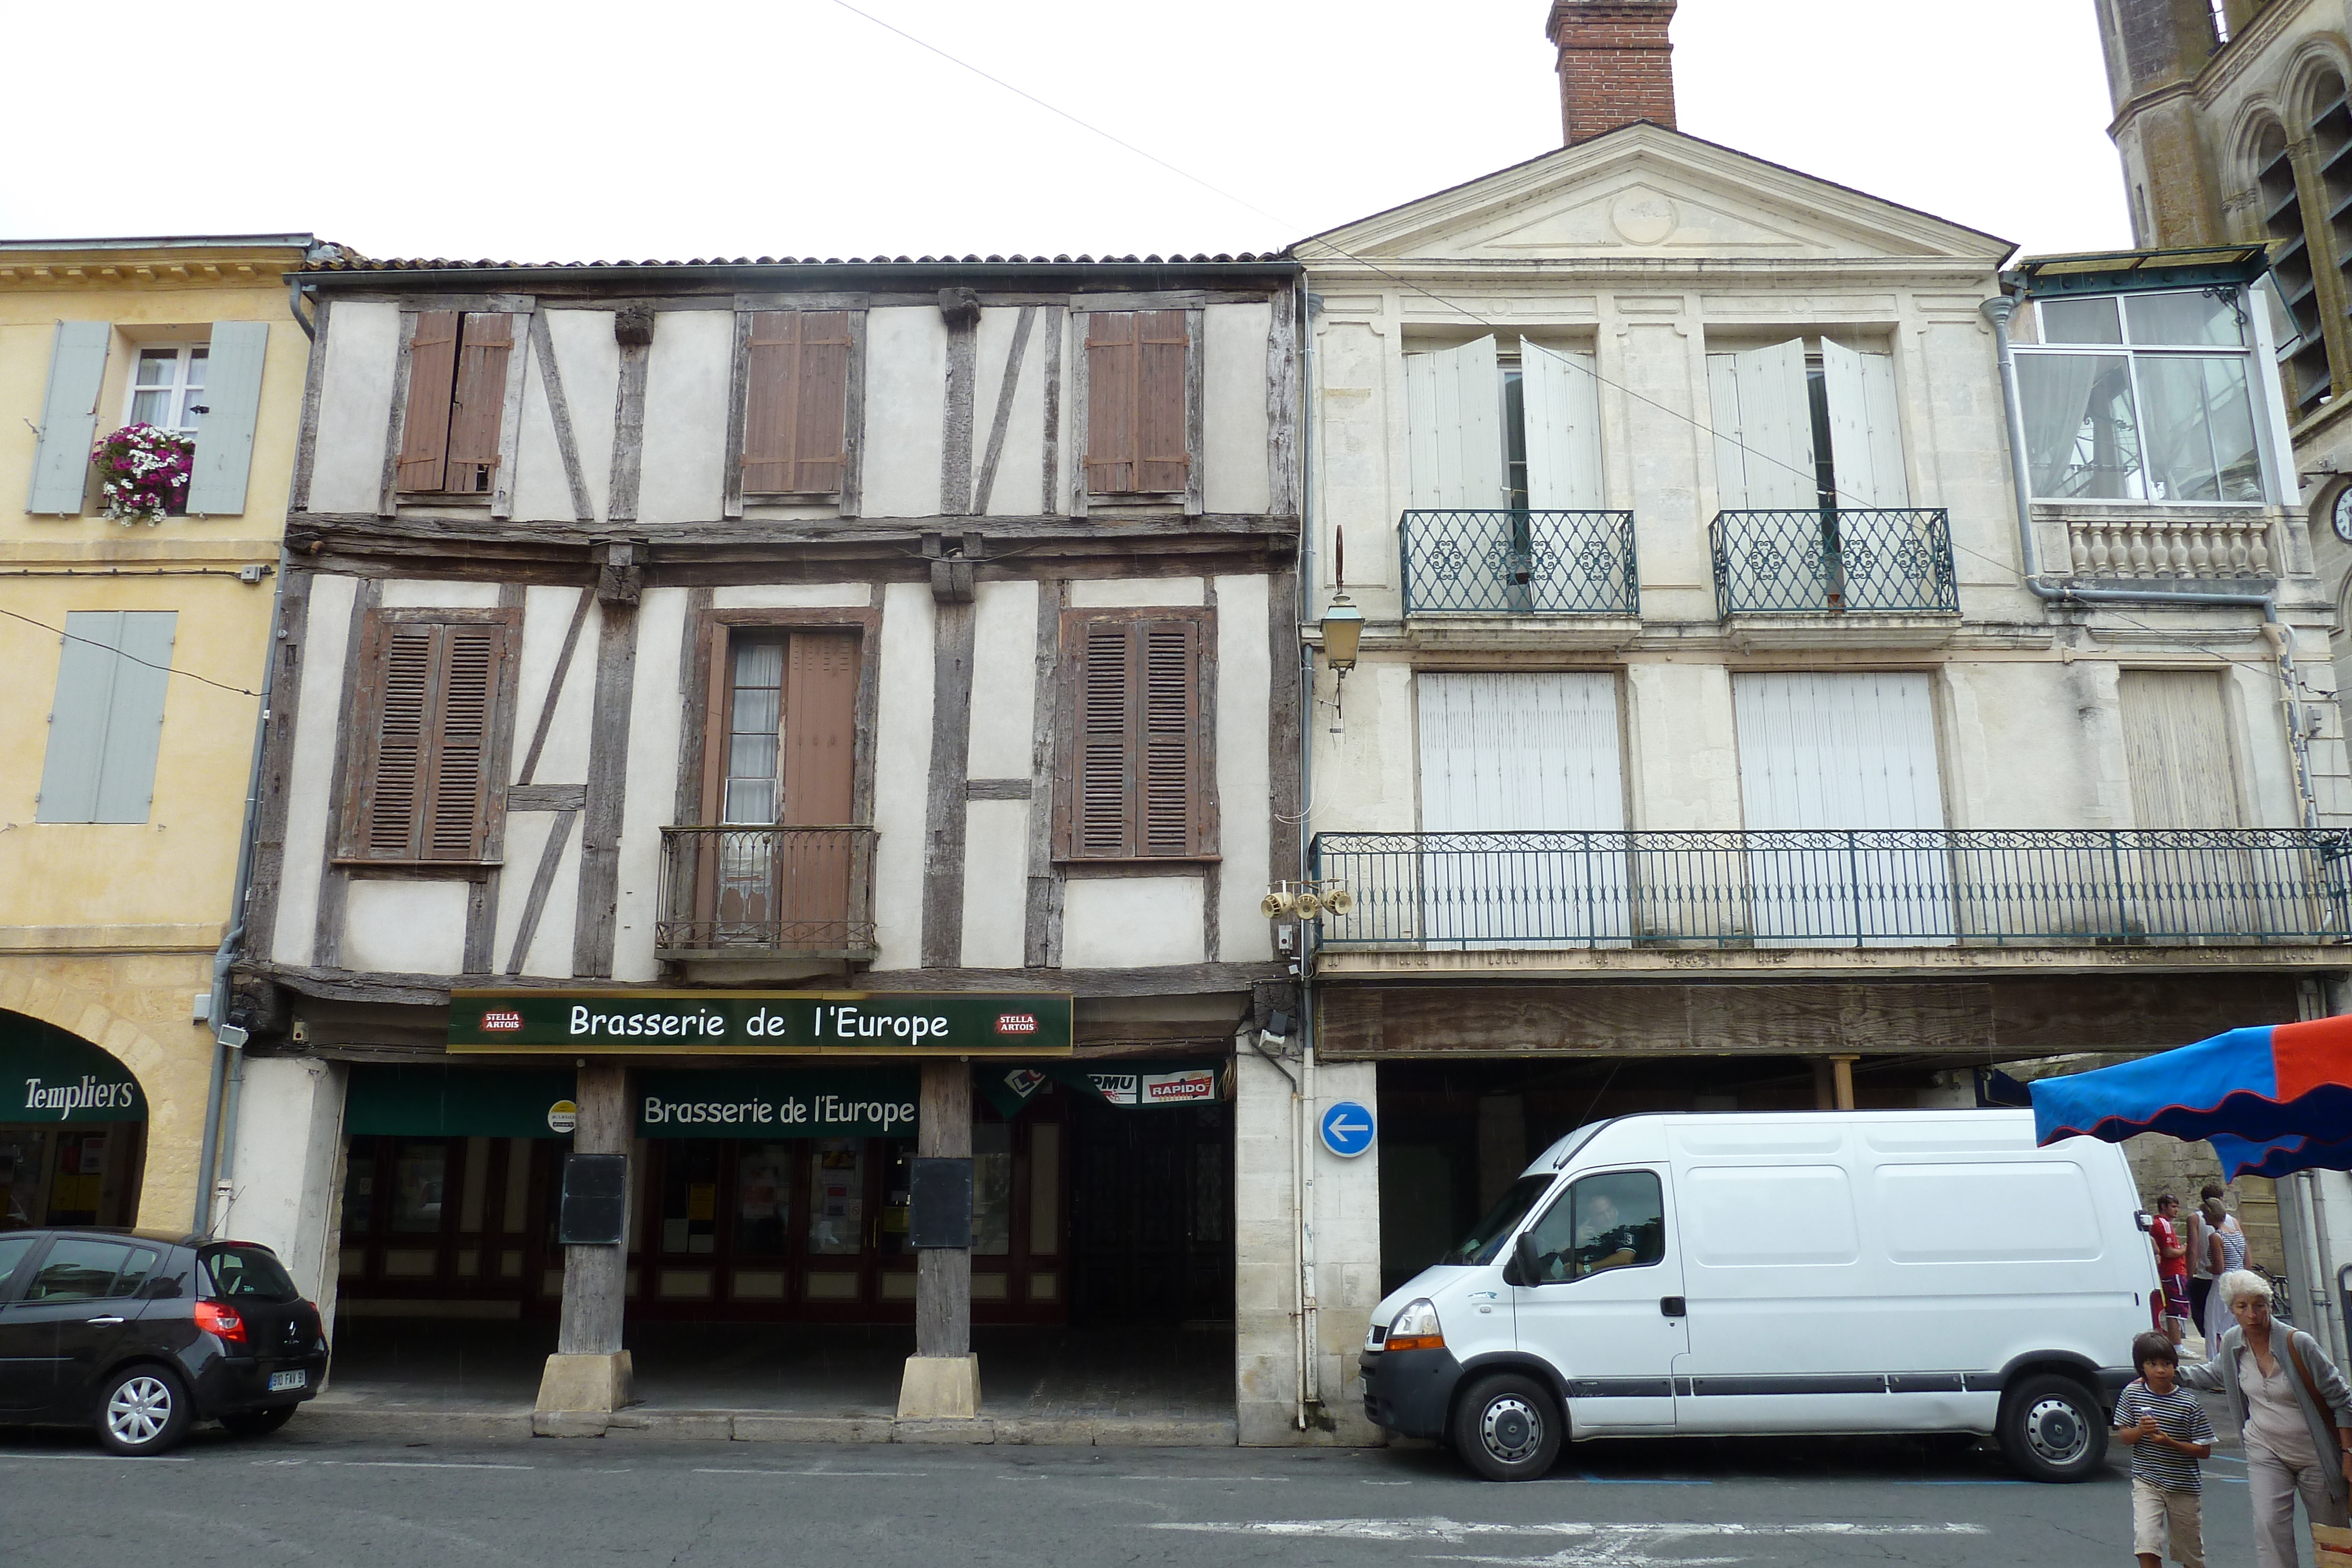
133, 648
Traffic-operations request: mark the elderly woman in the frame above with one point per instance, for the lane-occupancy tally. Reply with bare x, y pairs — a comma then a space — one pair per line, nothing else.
2295, 1410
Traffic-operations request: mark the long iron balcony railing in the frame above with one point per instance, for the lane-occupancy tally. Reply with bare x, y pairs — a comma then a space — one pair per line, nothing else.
1833, 559
1892, 888
748, 893
1518, 563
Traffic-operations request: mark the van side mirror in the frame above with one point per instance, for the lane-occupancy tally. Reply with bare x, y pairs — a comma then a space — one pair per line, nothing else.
1526, 1267
2140, 1217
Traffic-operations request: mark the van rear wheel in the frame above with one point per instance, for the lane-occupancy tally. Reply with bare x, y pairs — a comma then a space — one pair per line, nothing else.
1507, 1428
2052, 1429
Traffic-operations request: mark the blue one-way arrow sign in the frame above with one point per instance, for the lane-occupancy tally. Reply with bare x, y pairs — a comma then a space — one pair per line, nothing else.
1347, 1129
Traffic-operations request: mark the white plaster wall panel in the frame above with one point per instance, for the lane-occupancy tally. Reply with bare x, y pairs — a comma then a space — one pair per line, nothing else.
793, 596
1003, 680
404, 927
546, 617
542, 492
1358, 380
355, 407
1244, 835
551, 943
1663, 450
526, 836
428, 594
995, 883
310, 810
1682, 752
2061, 716
589, 359
657, 708
288, 1139
902, 741
1364, 775
1020, 488
2265, 766
1122, 592
1234, 429
686, 416
1132, 922
1953, 384
906, 392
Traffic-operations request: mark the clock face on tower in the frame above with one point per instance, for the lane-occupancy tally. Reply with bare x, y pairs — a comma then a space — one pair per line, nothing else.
2342, 514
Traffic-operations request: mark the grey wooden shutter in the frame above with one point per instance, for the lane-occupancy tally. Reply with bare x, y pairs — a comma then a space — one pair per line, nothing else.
1763, 429
1866, 429
108, 720
1454, 419
2176, 749
232, 412
1562, 405
69, 417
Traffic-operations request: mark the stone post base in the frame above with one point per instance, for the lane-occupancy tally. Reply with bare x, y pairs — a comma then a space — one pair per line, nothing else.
578, 1384
940, 1389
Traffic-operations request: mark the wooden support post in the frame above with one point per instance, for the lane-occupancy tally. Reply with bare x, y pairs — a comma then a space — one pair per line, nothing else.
590, 1372
1842, 1074
943, 1380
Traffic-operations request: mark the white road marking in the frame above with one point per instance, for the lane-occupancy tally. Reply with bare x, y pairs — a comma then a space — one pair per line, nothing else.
828, 1475
1597, 1545
106, 1458
422, 1465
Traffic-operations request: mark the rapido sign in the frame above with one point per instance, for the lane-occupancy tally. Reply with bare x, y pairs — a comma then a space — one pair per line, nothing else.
759, 1023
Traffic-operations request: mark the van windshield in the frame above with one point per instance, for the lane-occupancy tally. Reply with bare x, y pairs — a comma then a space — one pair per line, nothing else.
1487, 1238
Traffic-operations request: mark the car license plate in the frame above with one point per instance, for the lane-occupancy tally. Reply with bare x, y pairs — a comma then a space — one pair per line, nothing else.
283, 1380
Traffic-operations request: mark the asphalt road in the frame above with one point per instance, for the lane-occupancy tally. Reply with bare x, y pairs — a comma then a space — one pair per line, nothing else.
388, 1504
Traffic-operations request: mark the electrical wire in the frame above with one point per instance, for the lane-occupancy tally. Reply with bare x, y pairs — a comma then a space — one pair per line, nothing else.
71, 637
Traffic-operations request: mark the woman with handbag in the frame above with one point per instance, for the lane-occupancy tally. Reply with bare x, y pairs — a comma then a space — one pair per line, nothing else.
2295, 1410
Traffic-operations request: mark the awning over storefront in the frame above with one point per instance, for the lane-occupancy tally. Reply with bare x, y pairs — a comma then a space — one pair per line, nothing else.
48, 1075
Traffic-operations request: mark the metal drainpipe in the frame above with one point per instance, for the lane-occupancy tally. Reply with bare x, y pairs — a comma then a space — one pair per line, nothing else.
1310, 1385
1998, 310
215, 1155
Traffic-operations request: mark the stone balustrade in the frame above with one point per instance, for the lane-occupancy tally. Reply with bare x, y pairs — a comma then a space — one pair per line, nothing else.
2196, 546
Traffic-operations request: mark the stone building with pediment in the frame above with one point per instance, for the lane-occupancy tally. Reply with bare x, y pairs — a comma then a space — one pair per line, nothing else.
1702, 719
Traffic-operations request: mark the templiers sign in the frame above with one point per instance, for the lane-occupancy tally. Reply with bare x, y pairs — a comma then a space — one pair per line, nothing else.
759, 1023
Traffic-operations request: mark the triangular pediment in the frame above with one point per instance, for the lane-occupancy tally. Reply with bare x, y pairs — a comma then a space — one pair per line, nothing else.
1647, 192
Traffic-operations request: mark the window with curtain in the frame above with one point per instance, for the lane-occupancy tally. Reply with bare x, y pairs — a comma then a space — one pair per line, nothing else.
2143, 397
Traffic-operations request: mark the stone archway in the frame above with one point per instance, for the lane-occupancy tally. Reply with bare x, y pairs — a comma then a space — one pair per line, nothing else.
93, 1000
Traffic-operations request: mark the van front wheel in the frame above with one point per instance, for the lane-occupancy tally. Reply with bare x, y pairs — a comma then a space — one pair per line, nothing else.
1507, 1428
2053, 1429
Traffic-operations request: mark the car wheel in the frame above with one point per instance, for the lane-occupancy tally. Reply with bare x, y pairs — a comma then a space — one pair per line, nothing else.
144, 1410
259, 1423
1507, 1428
2052, 1429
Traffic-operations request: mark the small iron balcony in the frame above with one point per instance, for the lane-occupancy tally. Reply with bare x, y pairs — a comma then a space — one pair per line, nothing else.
1833, 560
733, 892
1518, 563
1889, 888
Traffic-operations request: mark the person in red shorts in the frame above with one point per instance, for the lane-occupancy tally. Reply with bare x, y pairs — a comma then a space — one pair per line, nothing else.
2171, 1268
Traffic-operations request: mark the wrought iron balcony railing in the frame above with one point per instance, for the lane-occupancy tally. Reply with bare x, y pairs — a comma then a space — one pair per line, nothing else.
748, 893
1893, 888
1518, 563
1831, 560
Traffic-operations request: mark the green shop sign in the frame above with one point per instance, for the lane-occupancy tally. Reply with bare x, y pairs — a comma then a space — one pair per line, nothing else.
759, 1023
48, 1075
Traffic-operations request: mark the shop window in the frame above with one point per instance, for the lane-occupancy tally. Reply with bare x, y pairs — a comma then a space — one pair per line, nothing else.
359, 1190
763, 1199
838, 1198
991, 1189
418, 1174
691, 1196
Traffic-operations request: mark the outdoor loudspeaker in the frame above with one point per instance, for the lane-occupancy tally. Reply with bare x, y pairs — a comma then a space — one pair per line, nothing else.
1308, 906
1275, 904
1339, 901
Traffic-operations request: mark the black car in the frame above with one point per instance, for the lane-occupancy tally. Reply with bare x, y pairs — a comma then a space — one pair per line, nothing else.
140, 1334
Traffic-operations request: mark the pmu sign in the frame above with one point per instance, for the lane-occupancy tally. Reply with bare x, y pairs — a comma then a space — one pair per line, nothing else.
759, 1023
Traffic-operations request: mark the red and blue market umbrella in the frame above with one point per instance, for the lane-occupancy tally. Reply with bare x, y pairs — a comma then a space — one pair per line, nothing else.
2271, 1099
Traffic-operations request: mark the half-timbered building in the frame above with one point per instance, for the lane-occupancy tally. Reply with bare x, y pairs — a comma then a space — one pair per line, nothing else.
905, 648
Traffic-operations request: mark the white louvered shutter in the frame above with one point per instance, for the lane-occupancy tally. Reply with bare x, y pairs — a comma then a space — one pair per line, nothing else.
1453, 411
1563, 417
1865, 427
68, 417
232, 413
1763, 428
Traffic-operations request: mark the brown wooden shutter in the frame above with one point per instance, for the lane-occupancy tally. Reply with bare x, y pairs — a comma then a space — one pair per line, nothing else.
820, 741
478, 404
429, 699
1160, 447
796, 403
1111, 365
1138, 780
424, 424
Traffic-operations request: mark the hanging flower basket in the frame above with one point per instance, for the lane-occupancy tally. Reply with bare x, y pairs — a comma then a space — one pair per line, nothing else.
143, 472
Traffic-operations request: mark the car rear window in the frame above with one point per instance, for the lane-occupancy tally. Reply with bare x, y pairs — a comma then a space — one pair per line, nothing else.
248, 1274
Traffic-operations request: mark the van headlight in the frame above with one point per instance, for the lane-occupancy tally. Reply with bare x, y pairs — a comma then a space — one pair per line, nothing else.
1415, 1327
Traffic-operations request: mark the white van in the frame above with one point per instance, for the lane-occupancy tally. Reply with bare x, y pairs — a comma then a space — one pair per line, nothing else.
1828, 1272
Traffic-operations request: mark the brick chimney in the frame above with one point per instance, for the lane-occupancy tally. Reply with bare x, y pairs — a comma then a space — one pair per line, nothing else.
1616, 64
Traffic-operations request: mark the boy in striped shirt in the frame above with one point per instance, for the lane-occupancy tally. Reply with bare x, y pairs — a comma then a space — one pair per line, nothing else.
2169, 1433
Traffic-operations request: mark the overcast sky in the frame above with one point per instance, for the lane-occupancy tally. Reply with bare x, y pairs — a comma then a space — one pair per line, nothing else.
700, 128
